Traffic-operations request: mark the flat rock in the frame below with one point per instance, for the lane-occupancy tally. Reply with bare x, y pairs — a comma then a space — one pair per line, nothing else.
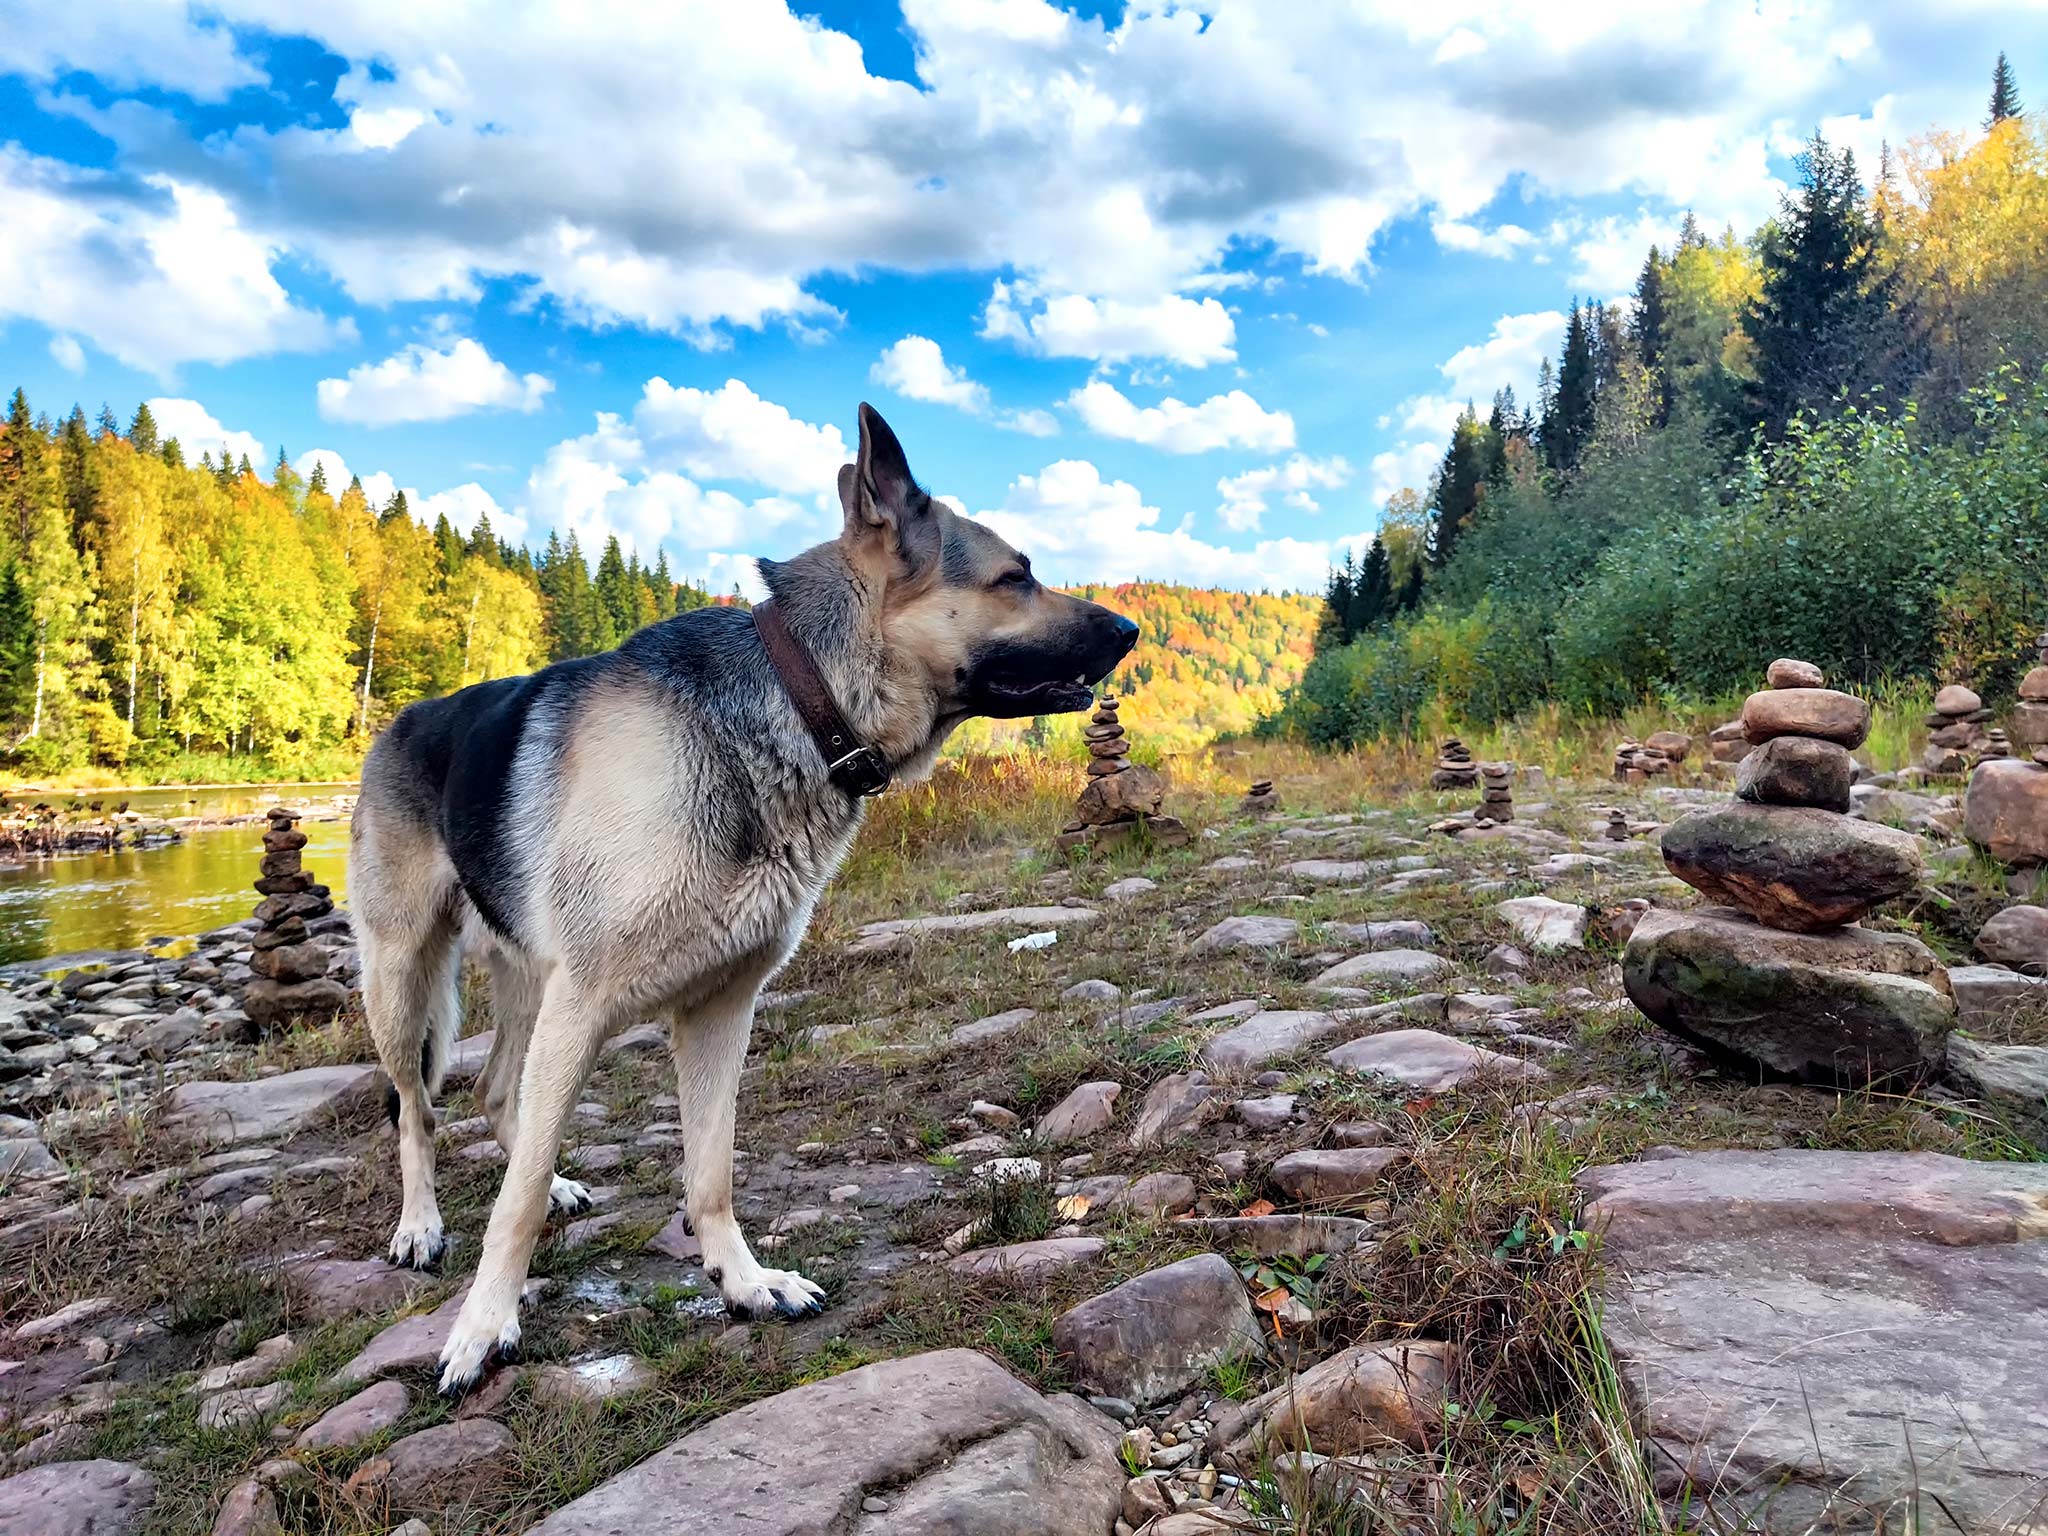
1160, 1333
1028, 1261
950, 1442
1372, 1397
1792, 867
410, 1343
1130, 888
1088, 1111
325, 1289
1989, 994
1173, 1107
1838, 717
2017, 937
1384, 967
25, 1157
1426, 1061
2013, 1078
874, 936
590, 1382
2005, 811
1393, 933
449, 1464
1268, 1036
76, 1498
270, 1107
1544, 923
1246, 932
1292, 1235
240, 1407
1843, 1007
370, 1412
1334, 1176
1335, 871
1842, 1335
994, 1027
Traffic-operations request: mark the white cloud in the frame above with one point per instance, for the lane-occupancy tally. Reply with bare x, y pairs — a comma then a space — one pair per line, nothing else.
1609, 252
1233, 420
731, 433
916, 368
197, 432
1078, 527
691, 169
1193, 333
1511, 355
1246, 496
1407, 467
461, 504
67, 353
1503, 240
156, 276
424, 383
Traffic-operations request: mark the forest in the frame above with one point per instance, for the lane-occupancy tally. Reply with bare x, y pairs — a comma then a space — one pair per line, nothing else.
161, 620
1827, 438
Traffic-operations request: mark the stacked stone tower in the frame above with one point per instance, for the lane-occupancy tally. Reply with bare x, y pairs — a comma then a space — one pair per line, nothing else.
1454, 767
1777, 975
291, 969
1120, 796
1496, 792
1956, 732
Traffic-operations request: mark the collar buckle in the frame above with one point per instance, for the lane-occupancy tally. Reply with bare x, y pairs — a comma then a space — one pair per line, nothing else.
863, 771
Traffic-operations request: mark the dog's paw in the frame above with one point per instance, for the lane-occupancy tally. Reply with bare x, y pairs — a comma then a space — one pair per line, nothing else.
772, 1293
568, 1198
418, 1245
470, 1352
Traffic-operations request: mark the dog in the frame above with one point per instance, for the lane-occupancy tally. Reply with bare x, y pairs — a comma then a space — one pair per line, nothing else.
645, 833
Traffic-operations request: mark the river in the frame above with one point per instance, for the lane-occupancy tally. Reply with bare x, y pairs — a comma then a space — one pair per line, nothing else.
125, 899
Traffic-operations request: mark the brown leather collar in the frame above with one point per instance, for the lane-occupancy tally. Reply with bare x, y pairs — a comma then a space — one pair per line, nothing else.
850, 763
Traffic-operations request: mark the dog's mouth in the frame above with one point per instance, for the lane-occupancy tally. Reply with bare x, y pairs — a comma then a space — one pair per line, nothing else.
1039, 696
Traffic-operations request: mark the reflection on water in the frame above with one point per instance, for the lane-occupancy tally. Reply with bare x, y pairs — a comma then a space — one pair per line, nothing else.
122, 900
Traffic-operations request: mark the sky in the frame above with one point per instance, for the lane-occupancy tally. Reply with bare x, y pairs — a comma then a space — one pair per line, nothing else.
1177, 292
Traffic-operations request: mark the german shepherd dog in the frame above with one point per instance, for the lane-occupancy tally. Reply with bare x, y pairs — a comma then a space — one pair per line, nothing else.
645, 833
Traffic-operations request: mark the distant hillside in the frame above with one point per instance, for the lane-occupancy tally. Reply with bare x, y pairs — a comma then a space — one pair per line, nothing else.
1209, 663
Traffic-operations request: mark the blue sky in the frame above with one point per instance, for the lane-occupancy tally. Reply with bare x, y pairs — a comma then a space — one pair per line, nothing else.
1181, 292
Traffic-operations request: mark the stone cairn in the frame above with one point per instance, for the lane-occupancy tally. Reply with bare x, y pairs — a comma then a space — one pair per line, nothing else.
291, 970
1776, 975
1956, 733
1261, 799
2030, 715
1618, 829
1121, 796
1454, 767
1496, 792
1636, 762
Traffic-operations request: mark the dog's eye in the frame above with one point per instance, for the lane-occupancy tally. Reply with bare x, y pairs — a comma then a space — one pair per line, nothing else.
1015, 580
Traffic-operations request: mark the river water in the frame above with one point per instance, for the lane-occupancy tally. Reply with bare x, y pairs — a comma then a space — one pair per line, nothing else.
125, 899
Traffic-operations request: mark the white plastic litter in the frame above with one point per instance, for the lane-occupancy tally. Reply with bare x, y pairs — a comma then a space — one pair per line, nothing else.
1044, 940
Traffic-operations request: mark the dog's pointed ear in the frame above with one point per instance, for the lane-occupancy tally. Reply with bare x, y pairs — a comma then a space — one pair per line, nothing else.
878, 491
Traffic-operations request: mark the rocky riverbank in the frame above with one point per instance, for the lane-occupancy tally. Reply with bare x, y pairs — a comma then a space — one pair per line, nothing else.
1280, 1180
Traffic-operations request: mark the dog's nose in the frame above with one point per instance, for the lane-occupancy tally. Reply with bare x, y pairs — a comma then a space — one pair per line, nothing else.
1125, 631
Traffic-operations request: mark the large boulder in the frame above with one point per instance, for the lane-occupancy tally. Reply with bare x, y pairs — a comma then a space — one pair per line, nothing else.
1838, 717
1160, 1333
2005, 811
1797, 770
1850, 1006
1792, 867
1851, 1339
948, 1443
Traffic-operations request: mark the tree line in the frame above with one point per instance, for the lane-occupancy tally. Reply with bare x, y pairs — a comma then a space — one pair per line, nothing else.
154, 610
1828, 437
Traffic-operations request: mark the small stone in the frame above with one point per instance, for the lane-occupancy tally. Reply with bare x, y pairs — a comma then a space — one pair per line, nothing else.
1838, 717
1787, 673
370, 1412
250, 1509
1426, 1061
1085, 1112
1797, 770
594, 1381
1334, 1177
2005, 811
445, 1465
1955, 699
1159, 1334
244, 1406
1794, 868
2017, 937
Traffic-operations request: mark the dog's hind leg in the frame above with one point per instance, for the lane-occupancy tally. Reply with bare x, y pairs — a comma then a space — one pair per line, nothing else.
566, 1034
516, 989
410, 993
709, 1043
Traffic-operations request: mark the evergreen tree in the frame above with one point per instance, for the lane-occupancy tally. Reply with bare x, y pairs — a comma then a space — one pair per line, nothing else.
449, 545
483, 541
1648, 322
1333, 628
1818, 308
17, 651
569, 606
2005, 96
224, 472
1372, 594
1577, 394
109, 426
618, 615
1460, 482
245, 467
394, 509
173, 454
142, 431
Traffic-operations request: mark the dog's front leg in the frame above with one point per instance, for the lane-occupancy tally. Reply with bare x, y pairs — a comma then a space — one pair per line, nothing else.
566, 1036
710, 1047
